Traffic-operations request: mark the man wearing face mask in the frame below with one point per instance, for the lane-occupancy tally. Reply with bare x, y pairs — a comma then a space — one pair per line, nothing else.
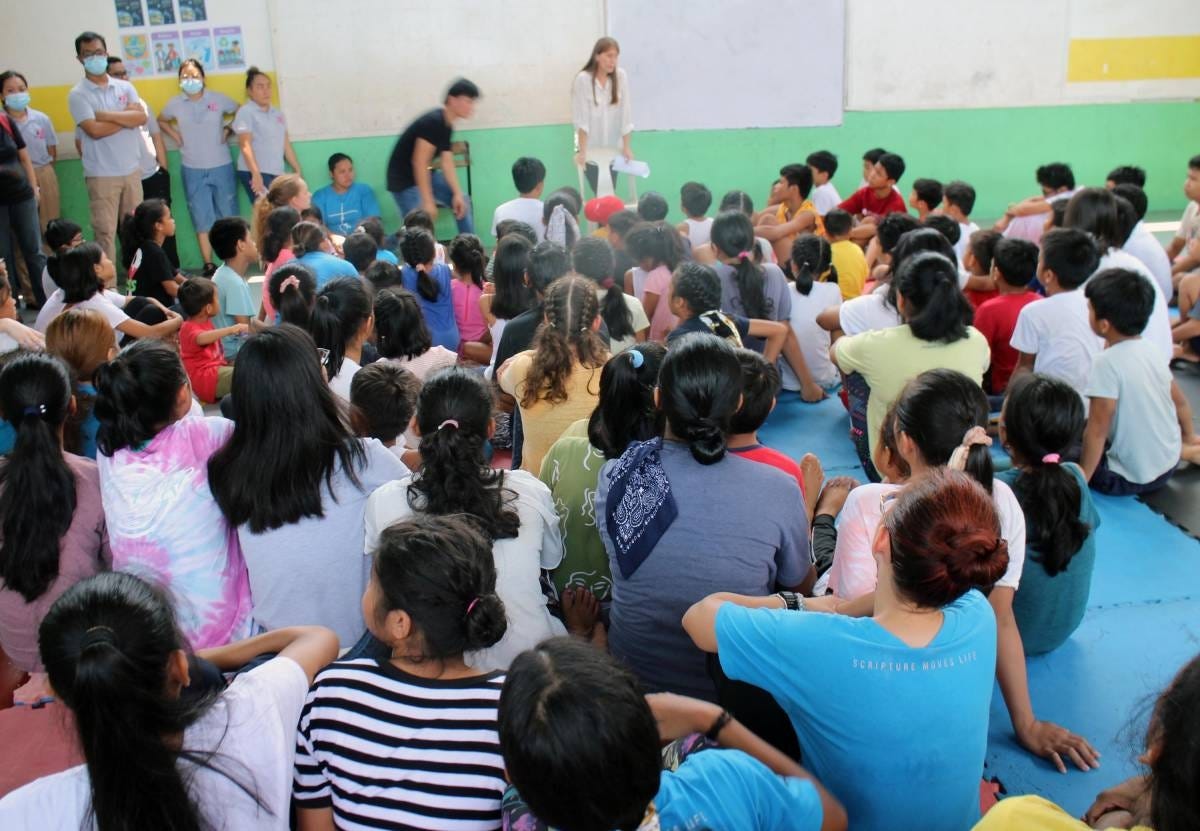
109, 113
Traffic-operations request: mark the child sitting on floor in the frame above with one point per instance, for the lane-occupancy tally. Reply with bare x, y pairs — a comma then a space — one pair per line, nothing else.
760, 388
231, 240
958, 200
200, 344
925, 197
823, 165
402, 337
848, 257
695, 200
977, 263
655, 248
1014, 265
1040, 424
1132, 442
383, 398
696, 301
817, 281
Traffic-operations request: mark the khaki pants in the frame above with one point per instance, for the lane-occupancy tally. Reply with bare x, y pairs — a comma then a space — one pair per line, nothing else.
48, 209
111, 198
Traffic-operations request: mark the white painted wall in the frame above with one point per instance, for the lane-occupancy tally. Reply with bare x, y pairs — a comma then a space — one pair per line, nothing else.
941, 54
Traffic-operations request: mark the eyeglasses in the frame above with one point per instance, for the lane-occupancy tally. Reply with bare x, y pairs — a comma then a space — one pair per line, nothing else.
95, 53
122, 74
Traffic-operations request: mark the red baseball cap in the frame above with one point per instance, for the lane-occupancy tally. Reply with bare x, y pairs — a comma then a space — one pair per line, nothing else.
600, 208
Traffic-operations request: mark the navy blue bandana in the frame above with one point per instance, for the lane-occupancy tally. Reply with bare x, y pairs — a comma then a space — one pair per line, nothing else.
640, 506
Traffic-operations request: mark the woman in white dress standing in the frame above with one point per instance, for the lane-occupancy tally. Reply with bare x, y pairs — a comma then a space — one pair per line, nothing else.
601, 112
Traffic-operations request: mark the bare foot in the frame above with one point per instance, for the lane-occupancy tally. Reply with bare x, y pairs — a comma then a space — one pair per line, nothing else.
833, 495
1183, 352
813, 475
581, 611
1191, 452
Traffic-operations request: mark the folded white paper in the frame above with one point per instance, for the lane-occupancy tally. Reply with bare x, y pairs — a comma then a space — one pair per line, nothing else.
633, 168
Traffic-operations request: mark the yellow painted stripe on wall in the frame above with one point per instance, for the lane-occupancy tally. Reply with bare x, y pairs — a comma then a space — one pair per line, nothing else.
156, 92
1134, 59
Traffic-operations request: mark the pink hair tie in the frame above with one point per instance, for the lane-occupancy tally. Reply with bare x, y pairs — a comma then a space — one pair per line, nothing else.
1051, 459
289, 282
743, 255
471, 606
448, 423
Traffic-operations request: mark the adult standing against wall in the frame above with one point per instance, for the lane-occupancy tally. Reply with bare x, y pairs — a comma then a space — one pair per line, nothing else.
41, 144
195, 120
109, 113
262, 136
156, 179
601, 112
410, 177
19, 209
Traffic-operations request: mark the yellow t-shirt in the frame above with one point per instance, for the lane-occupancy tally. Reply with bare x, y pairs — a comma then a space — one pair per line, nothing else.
889, 358
1032, 813
544, 422
783, 215
851, 265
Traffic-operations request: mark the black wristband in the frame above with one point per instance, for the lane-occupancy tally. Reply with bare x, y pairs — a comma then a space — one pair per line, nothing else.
717, 726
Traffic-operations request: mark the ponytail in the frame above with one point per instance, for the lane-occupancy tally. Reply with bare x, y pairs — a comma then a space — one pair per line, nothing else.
1043, 419
811, 257
466, 252
37, 486
565, 339
626, 411
655, 241
293, 291
417, 248
136, 394
593, 258
107, 644
934, 306
275, 232
307, 237
733, 236
282, 190
700, 386
453, 413
138, 228
935, 410
342, 307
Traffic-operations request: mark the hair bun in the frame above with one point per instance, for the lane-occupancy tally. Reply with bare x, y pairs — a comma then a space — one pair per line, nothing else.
974, 558
486, 622
707, 441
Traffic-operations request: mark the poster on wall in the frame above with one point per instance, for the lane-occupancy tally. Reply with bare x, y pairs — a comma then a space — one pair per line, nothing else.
231, 52
197, 44
129, 13
161, 12
167, 52
135, 52
192, 11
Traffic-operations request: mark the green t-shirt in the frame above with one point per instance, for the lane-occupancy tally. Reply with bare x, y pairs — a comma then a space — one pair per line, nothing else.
1048, 609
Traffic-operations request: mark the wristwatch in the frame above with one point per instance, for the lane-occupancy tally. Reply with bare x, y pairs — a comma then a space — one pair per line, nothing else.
792, 601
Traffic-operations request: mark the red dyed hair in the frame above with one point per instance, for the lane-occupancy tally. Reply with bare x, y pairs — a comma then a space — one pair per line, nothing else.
945, 539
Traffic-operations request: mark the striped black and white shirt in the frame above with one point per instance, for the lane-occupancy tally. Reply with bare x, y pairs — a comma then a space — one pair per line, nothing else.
390, 750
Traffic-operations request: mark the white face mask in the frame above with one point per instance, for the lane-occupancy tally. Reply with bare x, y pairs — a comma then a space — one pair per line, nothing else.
191, 85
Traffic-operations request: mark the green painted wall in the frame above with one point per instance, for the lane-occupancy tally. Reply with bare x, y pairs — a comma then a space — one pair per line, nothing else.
996, 150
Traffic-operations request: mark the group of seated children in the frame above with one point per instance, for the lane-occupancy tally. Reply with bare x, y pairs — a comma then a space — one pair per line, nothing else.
344, 597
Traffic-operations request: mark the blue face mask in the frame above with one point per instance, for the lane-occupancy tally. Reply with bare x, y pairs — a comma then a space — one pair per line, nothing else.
191, 85
17, 101
96, 64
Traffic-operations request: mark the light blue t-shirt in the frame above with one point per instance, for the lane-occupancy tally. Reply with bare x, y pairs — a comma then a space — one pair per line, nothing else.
875, 716
343, 211
439, 313
729, 789
387, 256
234, 294
326, 267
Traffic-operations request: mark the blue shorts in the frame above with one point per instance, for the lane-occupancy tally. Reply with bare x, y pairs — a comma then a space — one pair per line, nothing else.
211, 194
244, 178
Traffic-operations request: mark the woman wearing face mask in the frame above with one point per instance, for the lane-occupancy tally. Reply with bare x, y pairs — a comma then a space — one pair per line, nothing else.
40, 141
19, 196
196, 120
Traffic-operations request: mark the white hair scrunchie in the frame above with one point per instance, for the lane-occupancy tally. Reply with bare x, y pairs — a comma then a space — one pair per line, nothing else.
976, 435
560, 220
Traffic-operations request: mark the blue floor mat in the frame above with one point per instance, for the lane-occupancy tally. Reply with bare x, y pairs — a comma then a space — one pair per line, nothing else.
1141, 627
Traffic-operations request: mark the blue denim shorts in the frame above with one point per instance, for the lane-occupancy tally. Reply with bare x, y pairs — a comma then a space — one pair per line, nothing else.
211, 194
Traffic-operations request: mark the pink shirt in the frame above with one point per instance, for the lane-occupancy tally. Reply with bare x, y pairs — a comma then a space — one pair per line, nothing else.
424, 365
658, 281
471, 324
285, 255
83, 553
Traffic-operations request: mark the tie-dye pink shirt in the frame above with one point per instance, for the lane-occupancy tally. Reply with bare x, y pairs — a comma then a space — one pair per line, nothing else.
164, 525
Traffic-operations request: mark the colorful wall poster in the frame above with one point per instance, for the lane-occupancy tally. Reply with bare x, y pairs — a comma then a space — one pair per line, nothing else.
135, 52
167, 52
129, 13
231, 51
161, 12
197, 44
192, 11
